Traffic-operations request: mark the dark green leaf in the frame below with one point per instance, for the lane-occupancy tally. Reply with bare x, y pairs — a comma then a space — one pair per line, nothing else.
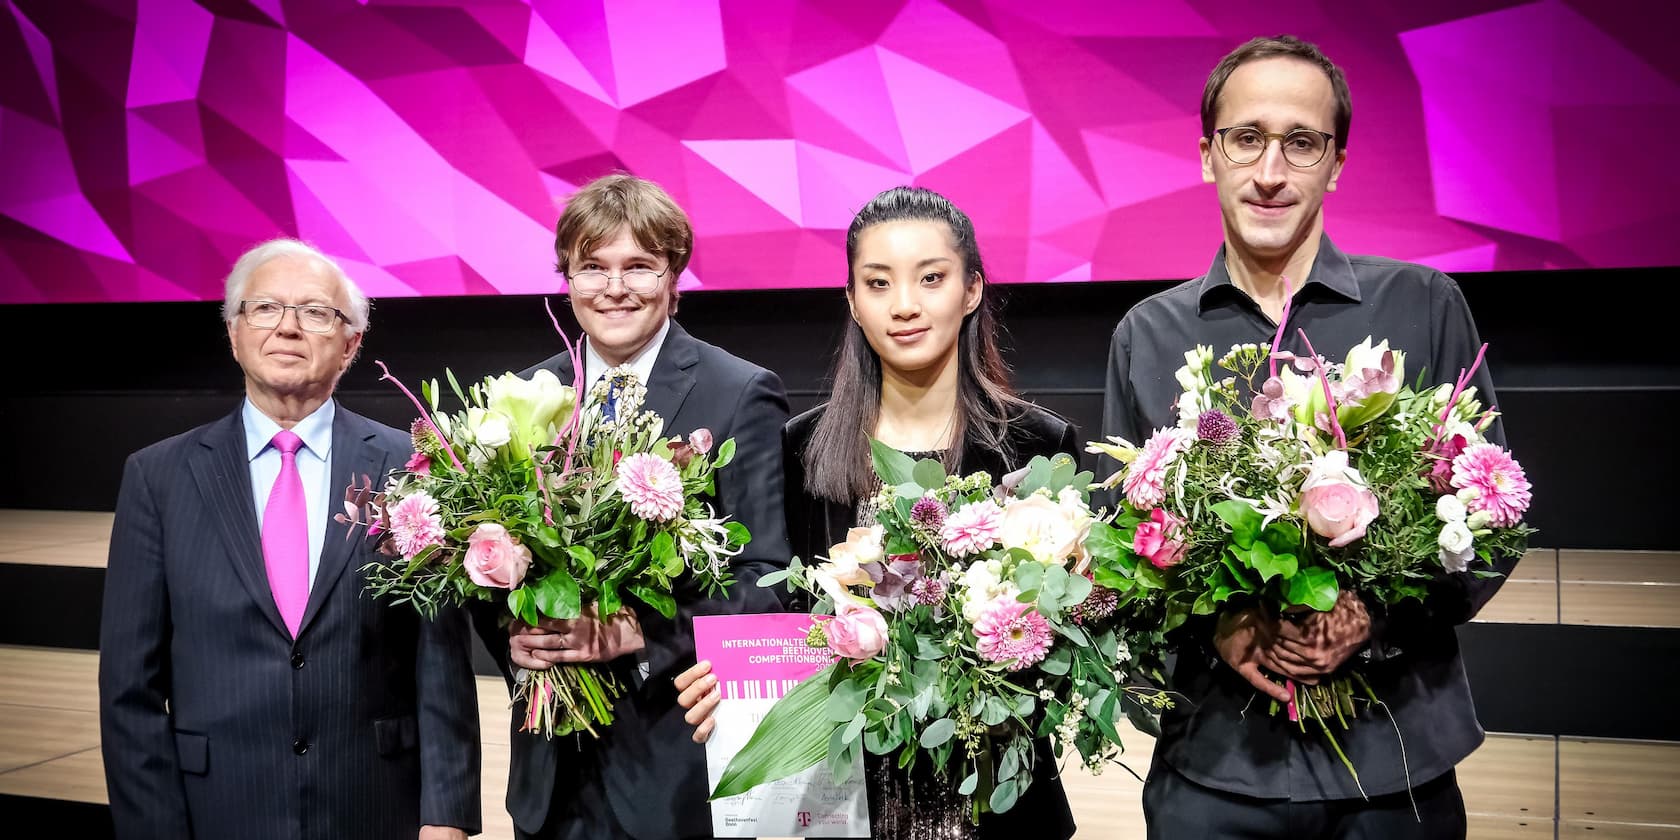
665, 556
1314, 586
725, 454
656, 598
557, 596
1271, 565
1242, 517
1105, 542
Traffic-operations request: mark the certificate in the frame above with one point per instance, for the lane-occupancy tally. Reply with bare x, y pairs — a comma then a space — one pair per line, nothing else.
757, 659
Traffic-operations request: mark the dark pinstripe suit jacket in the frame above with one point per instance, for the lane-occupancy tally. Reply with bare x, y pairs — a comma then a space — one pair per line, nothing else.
646, 767
215, 724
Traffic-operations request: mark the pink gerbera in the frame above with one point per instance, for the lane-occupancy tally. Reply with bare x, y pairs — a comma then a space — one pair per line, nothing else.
415, 524
1010, 631
1146, 478
971, 528
651, 485
1502, 490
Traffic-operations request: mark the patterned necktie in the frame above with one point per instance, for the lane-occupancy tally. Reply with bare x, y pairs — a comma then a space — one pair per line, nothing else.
285, 535
616, 383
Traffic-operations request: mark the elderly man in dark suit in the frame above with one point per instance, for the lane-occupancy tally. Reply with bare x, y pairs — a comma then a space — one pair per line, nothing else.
622, 242
247, 687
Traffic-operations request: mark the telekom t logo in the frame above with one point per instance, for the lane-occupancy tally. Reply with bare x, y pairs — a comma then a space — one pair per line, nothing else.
804, 819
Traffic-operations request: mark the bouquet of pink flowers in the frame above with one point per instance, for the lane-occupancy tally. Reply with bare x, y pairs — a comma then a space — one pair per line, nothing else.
966, 624
557, 510
1332, 477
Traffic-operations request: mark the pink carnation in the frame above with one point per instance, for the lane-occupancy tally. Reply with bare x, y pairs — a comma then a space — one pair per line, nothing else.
1010, 631
1146, 479
651, 485
415, 524
971, 528
1502, 490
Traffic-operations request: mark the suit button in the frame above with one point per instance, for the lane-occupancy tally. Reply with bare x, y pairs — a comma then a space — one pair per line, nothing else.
297, 661
300, 746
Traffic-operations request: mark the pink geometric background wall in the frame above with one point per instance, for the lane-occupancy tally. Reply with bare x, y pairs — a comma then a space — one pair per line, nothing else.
427, 145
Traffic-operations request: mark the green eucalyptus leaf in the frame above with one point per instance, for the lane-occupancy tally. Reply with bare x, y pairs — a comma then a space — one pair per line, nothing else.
938, 733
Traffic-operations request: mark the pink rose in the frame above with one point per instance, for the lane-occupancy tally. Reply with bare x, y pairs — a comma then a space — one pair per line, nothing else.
855, 631
1160, 539
494, 559
1335, 500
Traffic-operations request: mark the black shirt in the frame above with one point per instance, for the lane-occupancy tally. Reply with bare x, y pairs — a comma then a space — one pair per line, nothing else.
1220, 734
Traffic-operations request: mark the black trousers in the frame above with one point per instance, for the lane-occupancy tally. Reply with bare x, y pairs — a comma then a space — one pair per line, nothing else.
1175, 808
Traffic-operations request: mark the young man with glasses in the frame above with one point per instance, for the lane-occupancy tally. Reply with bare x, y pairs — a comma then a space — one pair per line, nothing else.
247, 687
1275, 120
622, 243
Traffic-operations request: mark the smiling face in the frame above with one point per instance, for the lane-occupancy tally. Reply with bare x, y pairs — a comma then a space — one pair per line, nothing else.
909, 295
285, 360
1270, 209
619, 322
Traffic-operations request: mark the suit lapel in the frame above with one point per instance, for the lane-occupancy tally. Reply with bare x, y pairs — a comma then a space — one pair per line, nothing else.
353, 456
222, 470
672, 377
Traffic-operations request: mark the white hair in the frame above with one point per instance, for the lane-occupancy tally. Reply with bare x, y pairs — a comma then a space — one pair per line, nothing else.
286, 247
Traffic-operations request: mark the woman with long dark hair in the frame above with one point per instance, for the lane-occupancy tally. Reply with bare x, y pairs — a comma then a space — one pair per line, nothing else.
918, 370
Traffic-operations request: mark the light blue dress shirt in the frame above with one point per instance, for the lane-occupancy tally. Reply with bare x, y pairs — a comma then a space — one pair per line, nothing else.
314, 464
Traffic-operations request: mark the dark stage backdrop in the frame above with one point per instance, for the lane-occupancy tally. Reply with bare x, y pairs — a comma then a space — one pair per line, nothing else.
1583, 360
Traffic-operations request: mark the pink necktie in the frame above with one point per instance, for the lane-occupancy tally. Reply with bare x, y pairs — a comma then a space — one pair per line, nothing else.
285, 535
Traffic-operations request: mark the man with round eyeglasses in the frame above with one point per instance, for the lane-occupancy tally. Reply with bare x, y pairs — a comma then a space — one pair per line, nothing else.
1275, 119
621, 243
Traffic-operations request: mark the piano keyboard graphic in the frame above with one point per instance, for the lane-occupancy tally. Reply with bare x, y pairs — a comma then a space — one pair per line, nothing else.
757, 689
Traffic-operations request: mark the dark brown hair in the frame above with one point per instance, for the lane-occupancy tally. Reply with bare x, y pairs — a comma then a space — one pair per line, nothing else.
1285, 46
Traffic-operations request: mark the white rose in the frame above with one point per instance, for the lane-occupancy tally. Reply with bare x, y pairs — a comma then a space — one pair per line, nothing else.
1456, 546
1449, 509
493, 431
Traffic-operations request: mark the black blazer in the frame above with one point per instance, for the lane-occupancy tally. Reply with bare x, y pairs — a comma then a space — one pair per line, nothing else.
214, 722
646, 765
816, 524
